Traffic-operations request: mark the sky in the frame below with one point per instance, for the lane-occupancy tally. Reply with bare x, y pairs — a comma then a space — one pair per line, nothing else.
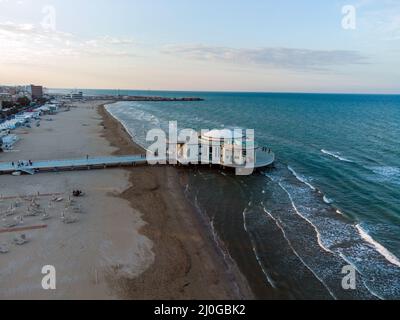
350, 46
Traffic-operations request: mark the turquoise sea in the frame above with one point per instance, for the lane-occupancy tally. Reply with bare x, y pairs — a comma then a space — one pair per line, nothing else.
332, 200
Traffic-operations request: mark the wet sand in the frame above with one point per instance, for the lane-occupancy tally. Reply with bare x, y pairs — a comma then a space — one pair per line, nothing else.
136, 238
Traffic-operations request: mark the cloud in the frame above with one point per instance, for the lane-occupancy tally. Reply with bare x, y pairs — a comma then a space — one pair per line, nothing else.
380, 19
26, 43
285, 58
30, 44
107, 40
385, 24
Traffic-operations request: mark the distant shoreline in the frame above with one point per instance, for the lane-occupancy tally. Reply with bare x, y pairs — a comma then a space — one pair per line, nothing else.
124, 98
184, 92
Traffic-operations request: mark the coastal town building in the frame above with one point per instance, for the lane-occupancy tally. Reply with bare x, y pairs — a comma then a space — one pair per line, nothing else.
4, 97
76, 95
48, 109
36, 91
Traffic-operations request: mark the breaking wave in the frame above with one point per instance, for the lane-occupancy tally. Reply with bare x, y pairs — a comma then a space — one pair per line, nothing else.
302, 179
380, 248
377, 266
327, 200
336, 155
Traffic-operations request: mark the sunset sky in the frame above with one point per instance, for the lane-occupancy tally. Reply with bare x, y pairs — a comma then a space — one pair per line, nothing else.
219, 45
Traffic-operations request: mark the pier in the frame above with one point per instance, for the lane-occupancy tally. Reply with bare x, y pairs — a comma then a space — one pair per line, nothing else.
89, 163
74, 164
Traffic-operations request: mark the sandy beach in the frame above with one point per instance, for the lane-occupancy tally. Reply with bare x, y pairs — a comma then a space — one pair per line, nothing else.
136, 236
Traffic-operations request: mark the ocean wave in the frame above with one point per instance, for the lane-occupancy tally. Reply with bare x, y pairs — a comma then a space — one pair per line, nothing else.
339, 212
377, 266
136, 121
370, 290
386, 173
340, 239
125, 126
327, 200
305, 181
319, 237
336, 155
301, 178
278, 224
380, 248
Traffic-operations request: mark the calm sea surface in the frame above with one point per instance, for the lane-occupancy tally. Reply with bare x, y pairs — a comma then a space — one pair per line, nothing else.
332, 200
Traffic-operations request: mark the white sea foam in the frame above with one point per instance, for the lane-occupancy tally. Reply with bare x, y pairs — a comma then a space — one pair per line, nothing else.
328, 200
297, 254
361, 253
118, 114
387, 173
335, 155
305, 218
125, 126
364, 282
380, 248
339, 212
301, 178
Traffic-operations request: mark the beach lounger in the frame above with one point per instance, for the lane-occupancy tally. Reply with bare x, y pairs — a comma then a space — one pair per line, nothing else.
4, 249
70, 220
20, 240
45, 217
10, 224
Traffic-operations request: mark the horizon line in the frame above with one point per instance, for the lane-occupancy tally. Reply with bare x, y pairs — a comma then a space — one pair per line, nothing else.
232, 91
214, 91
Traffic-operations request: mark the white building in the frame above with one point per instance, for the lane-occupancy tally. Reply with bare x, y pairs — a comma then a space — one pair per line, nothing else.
48, 108
228, 148
76, 95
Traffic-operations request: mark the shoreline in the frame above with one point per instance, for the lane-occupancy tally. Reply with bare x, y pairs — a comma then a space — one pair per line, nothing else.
189, 263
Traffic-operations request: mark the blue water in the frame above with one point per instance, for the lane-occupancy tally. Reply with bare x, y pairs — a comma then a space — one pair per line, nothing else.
333, 198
